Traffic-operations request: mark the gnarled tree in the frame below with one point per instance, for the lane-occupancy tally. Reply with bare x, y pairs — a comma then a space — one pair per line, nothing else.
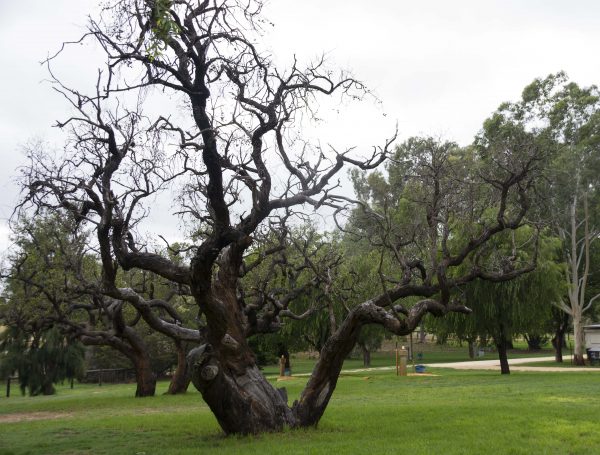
231, 147
52, 281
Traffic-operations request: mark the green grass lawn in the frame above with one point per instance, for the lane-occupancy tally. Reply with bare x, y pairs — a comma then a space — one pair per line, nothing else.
457, 412
565, 364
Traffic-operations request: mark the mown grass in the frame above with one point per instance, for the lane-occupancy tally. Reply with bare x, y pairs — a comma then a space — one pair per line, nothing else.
457, 412
566, 363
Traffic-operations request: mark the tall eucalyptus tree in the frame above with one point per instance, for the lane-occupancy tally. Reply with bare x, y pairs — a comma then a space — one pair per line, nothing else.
567, 117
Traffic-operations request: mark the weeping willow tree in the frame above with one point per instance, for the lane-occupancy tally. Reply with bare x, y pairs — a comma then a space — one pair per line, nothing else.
40, 359
504, 310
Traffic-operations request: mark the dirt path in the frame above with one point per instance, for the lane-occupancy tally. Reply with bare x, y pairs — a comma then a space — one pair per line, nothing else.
27, 416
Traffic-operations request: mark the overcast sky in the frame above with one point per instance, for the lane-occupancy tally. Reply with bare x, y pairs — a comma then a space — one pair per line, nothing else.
439, 67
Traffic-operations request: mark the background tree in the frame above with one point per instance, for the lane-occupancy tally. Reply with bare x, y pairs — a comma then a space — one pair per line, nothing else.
32, 344
502, 311
291, 279
567, 116
52, 282
40, 358
430, 203
358, 281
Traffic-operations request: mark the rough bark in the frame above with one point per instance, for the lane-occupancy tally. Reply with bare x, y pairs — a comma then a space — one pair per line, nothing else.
180, 380
243, 401
241, 398
315, 396
144, 376
224, 369
210, 57
319, 389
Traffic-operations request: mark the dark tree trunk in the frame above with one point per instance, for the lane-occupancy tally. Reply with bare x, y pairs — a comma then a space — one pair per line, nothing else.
315, 396
240, 397
366, 356
224, 370
144, 376
309, 409
471, 349
558, 342
48, 388
133, 347
502, 345
502, 355
180, 379
242, 400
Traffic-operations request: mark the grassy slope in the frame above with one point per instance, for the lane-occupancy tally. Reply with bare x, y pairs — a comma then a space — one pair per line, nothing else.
454, 413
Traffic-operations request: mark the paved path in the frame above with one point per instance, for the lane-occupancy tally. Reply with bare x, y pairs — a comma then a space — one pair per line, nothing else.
479, 365
514, 365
